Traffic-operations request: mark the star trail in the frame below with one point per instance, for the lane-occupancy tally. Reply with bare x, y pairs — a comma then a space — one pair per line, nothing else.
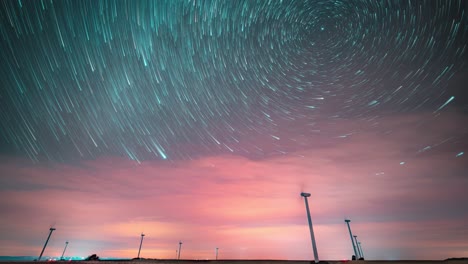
179, 79
202, 121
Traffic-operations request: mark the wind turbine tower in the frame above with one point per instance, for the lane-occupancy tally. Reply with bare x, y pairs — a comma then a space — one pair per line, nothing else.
141, 242
47, 241
360, 248
180, 246
312, 237
359, 253
351, 236
217, 253
66, 244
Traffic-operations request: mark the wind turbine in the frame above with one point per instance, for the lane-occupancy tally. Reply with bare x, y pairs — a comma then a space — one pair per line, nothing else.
180, 246
141, 242
312, 237
351, 236
66, 244
47, 241
360, 247
358, 253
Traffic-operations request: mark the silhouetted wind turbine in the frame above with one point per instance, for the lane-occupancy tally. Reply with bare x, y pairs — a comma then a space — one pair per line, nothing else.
351, 236
66, 244
45, 245
358, 253
180, 246
360, 247
312, 237
141, 242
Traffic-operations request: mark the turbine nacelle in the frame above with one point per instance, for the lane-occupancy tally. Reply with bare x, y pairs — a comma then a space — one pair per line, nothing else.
303, 194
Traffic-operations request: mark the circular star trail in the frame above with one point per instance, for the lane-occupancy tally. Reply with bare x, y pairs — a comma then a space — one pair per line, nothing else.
178, 79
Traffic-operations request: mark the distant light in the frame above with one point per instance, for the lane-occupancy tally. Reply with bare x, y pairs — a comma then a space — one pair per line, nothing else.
460, 154
402, 163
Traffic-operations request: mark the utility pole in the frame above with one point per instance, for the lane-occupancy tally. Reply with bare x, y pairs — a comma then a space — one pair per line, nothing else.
45, 245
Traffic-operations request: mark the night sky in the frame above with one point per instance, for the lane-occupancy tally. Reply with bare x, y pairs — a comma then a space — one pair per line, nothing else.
202, 121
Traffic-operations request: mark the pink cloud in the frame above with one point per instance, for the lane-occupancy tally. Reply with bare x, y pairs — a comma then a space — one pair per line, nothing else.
252, 208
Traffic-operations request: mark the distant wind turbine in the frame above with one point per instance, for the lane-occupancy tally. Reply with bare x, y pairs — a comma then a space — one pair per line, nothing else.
66, 244
180, 246
360, 248
358, 256
141, 242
